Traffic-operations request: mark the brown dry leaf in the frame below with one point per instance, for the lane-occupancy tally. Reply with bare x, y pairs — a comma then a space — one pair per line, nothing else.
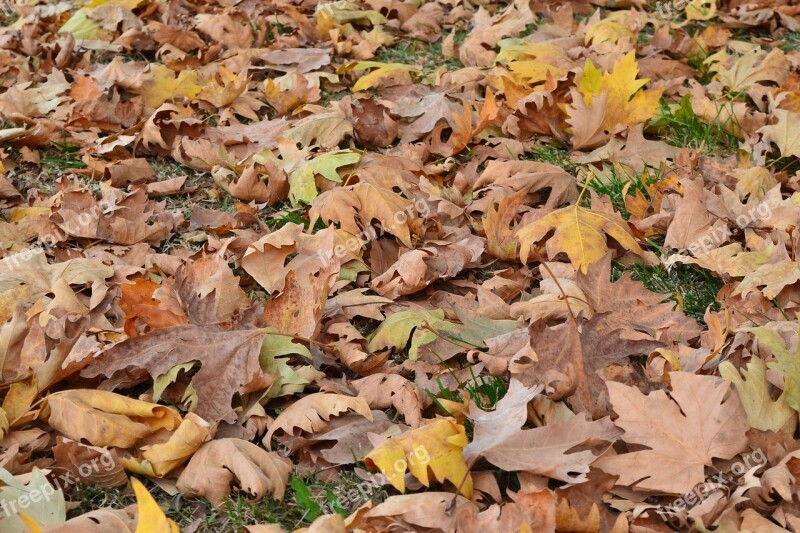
698, 420
219, 464
311, 413
571, 355
229, 362
392, 390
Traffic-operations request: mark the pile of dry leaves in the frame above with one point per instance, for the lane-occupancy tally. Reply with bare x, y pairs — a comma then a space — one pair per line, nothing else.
426, 272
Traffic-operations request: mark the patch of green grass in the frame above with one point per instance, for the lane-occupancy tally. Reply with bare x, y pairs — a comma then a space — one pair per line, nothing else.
305, 499
614, 188
61, 156
553, 154
680, 126
90, 498
691, 287
415, 52
791, 41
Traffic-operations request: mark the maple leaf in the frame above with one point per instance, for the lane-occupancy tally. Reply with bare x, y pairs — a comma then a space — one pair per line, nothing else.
436, 448
787, 363
762, 412
398, 328
623, 103
580, 233
695, 424
785, 133
229, 359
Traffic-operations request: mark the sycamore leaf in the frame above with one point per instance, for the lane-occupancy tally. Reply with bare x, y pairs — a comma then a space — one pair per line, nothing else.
47, 510
229, 362
580, 233
81, 26
546, 450
107, 419
785, 133
437, 448
362, 203
302, 189
787, 363
395, 331
151, 517
324, 129
218, 464
163, 84
762, 411
696, 422
311, 413
160, 459
750, 65
774, 277
497, 426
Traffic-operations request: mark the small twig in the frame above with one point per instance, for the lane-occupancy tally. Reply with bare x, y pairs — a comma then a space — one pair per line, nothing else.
563, 293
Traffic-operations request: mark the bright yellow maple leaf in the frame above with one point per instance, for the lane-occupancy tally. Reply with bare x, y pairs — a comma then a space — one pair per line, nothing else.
627, 104
163, 85
436, 448
580, 233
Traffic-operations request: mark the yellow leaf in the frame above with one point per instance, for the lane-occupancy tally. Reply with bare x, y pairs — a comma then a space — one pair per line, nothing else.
382, 71
580, 233
436, 448
22, 213
701, 10
785, 133
107, 419
33, 527
159, 459
151, 518
626, 104
610, 29
164, 85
